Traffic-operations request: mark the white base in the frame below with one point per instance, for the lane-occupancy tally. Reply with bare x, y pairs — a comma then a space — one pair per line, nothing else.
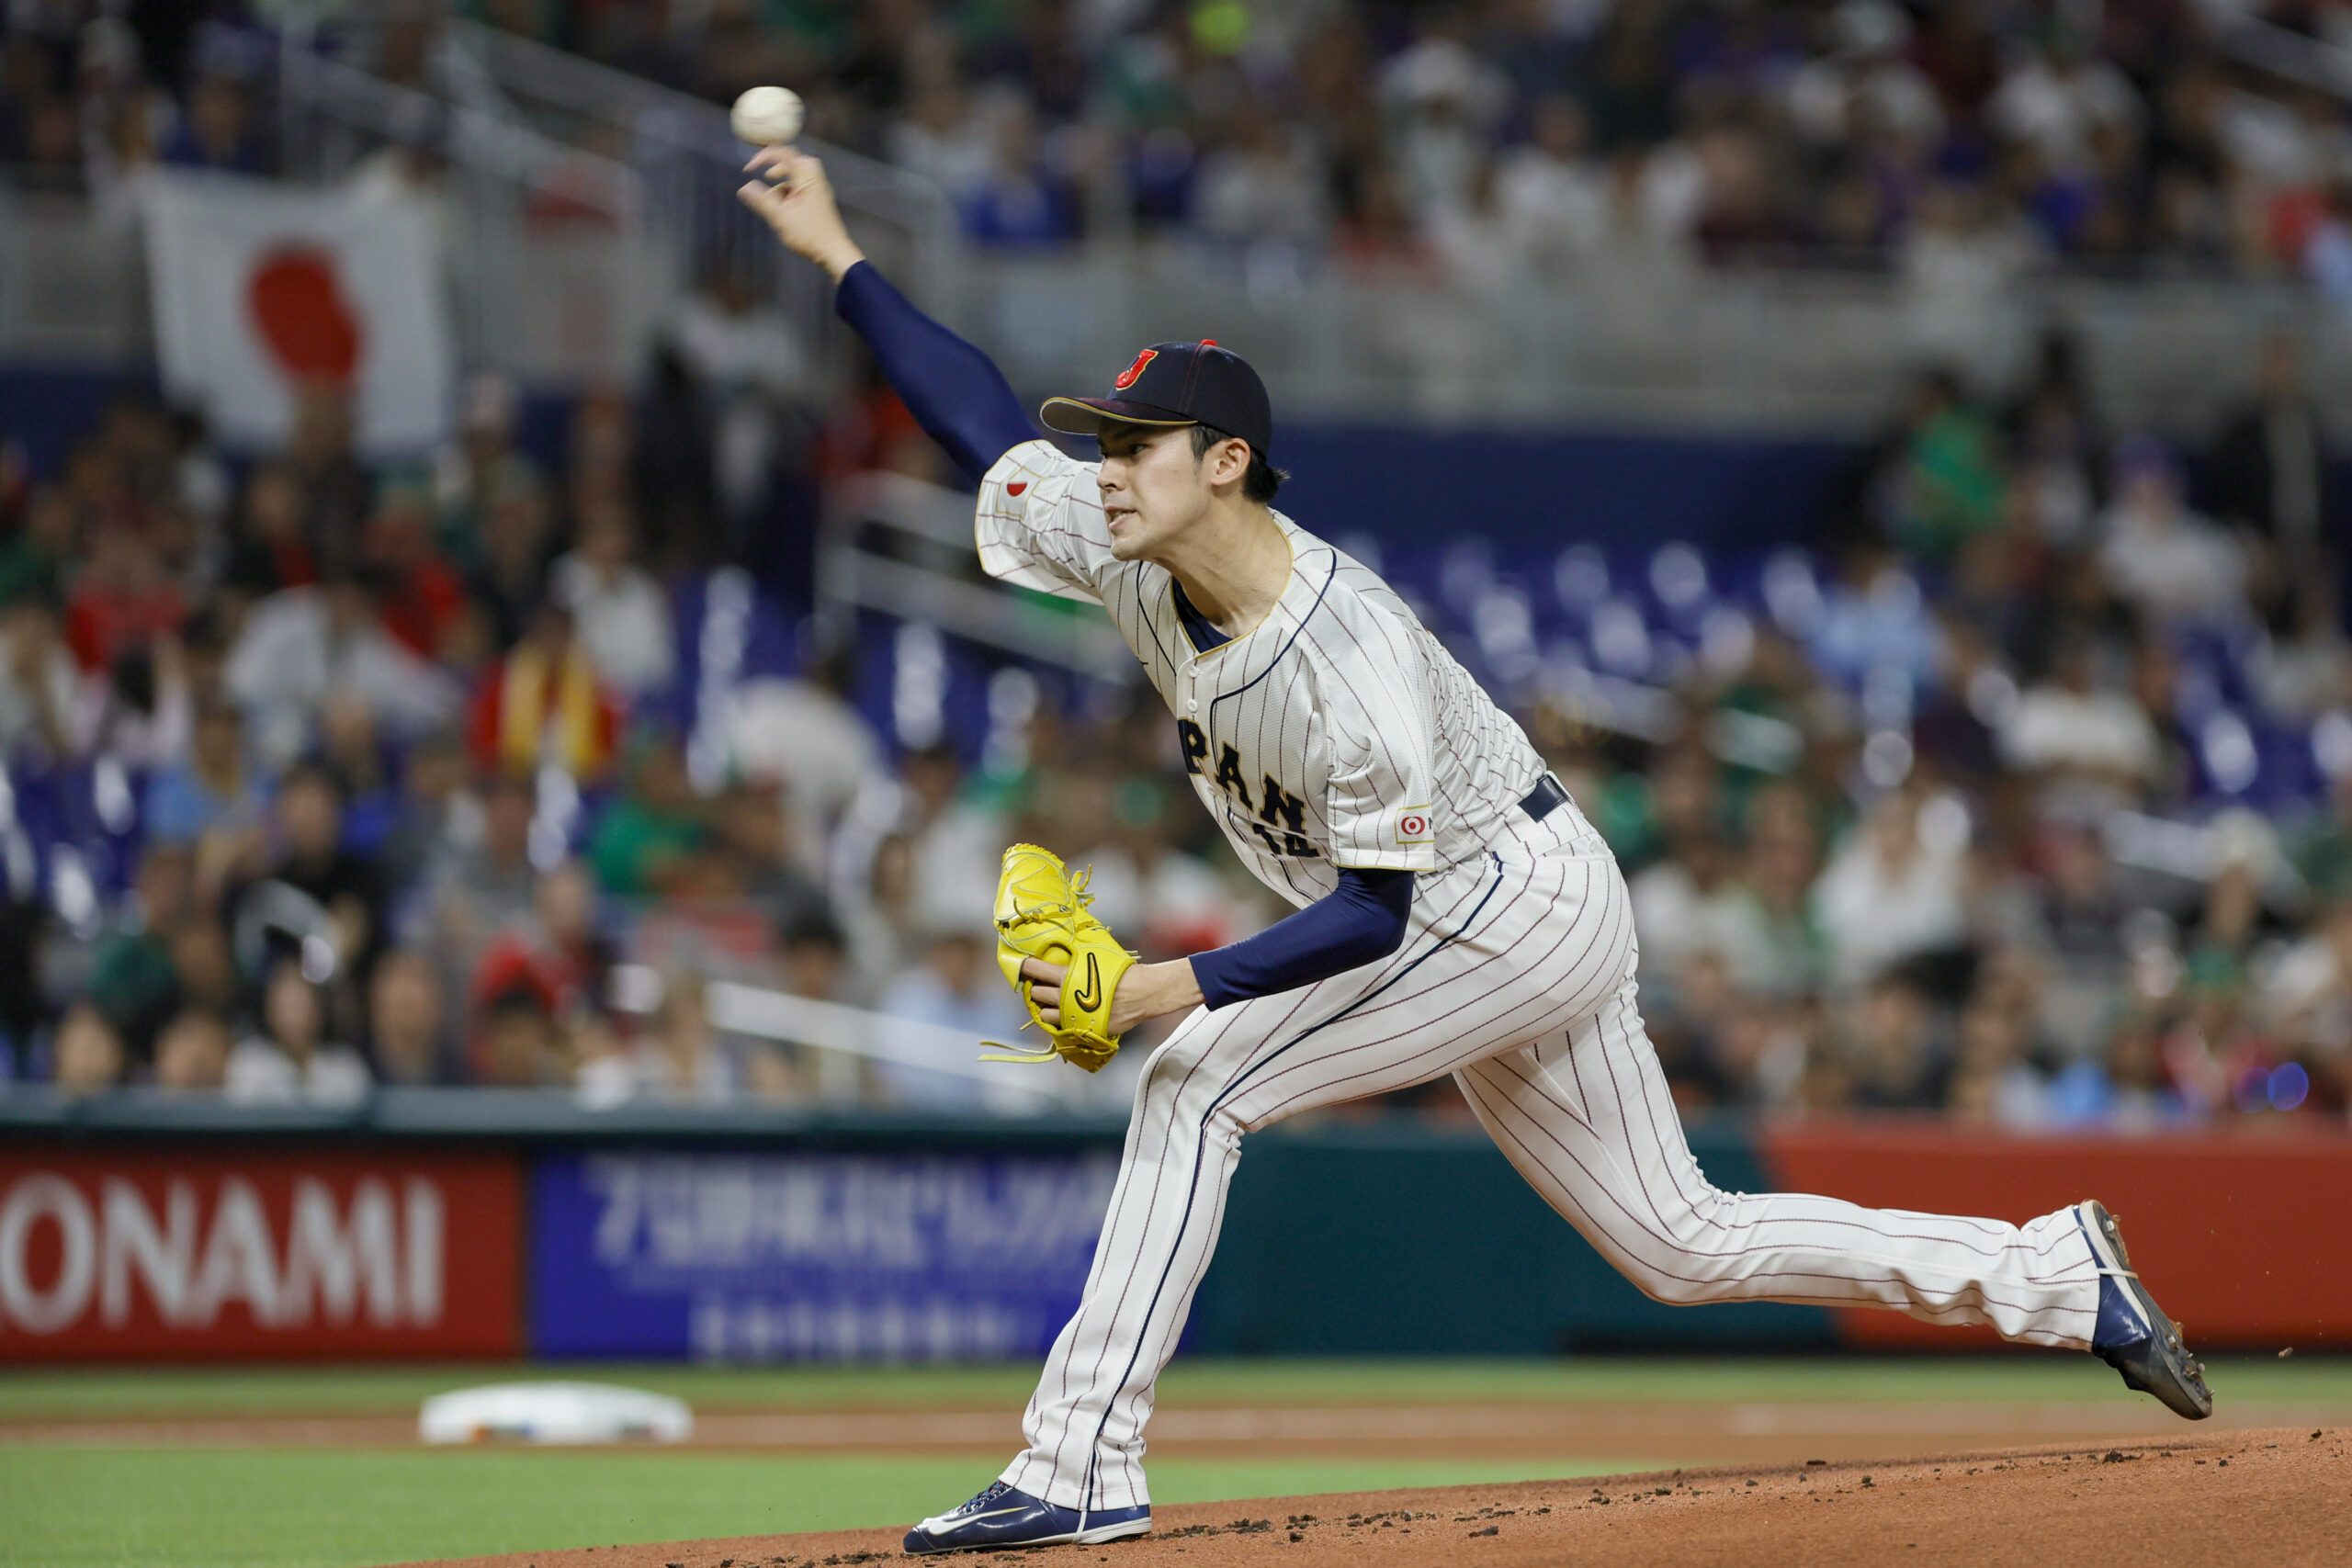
554, 1413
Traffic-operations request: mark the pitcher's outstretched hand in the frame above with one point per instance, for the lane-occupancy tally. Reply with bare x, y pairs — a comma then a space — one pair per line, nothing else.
797, 199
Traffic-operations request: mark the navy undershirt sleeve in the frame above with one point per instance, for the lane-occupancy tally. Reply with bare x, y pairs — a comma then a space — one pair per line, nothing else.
955, 392
1361, 921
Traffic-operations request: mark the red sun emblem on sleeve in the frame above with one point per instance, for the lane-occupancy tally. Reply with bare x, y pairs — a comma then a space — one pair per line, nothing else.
1127, 377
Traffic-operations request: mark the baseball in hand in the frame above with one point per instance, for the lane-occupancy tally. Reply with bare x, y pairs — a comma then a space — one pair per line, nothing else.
767, 117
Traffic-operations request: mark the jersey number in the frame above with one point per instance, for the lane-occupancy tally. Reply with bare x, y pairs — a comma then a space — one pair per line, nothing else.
1281, 816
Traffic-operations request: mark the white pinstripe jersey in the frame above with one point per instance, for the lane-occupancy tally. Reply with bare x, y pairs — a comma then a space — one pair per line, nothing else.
1336, 733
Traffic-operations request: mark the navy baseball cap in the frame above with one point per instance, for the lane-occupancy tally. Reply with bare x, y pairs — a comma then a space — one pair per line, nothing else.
1176, 383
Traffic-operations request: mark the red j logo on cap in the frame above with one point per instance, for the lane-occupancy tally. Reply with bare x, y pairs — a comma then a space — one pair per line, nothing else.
1127, 377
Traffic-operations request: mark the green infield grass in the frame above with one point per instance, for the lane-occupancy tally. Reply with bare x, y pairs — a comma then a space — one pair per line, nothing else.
248, 1508
95, 1393
93, 1503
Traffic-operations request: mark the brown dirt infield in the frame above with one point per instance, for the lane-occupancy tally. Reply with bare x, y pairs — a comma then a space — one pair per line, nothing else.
2273, 1496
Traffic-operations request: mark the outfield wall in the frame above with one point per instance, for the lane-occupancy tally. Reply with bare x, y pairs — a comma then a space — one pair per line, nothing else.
464, 1225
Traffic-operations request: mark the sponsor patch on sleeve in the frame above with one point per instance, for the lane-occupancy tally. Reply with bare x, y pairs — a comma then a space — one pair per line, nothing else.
1413, 825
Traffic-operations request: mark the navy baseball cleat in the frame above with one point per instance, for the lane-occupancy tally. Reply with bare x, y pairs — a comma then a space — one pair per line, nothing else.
1001, 1517
2134, 1335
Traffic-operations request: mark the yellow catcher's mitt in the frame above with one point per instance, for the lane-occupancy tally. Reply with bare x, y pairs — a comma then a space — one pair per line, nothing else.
1041, 912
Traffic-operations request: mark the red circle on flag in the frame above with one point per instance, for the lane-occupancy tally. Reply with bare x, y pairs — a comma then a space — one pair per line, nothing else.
296, 301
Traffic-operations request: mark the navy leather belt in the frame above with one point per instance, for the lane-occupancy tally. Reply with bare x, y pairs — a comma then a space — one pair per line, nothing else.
1546, 796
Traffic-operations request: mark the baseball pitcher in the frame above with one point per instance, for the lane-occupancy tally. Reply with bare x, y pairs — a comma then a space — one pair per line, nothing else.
1455, 914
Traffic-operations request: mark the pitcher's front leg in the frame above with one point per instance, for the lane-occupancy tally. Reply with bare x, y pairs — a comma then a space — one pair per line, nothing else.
1084, 1425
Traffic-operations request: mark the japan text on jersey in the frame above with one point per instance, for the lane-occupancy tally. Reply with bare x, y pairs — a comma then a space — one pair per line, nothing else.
1336, 733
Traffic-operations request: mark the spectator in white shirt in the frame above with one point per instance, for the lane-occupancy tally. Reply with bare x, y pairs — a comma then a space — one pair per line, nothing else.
2057, 99
2307, 995
2071, 729
801, 734
1474, 238
957, 842
735, 339
1442, 100
2170, 563
621, 614
301, 644
1889, 895
1864, 86
289, 1059
1264, 184
1685, 904
1555, 199
1959, 258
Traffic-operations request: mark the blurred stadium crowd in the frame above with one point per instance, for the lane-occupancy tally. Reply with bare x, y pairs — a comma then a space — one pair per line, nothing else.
2024, 795
318, 776
1494, 141
2033, 809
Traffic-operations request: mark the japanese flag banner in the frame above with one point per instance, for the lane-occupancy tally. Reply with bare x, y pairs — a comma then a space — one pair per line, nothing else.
263, 291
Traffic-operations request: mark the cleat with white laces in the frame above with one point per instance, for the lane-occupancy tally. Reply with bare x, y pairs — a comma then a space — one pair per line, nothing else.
1001, 1516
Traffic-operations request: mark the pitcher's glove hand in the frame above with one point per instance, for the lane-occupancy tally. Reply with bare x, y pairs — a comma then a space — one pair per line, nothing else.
1042, 913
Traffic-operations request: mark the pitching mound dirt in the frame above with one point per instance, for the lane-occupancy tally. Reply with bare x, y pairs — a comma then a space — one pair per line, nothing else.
2226, 1498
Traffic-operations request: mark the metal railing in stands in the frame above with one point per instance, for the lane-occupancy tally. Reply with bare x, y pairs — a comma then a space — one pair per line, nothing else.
554, 273
1729, 352
692, 163
556, 1115
903, 548
1643, 341
2283, 52
844, 1035
73, 287
584, 203
560, 303
837, 1037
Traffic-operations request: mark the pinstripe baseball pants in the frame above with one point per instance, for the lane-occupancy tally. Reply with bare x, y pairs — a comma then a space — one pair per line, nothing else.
1517, 975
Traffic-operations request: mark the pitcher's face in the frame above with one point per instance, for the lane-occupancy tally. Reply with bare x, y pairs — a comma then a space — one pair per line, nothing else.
1153, 486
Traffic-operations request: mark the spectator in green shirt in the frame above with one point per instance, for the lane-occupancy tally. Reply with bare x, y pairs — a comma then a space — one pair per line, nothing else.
134, 985
649, 836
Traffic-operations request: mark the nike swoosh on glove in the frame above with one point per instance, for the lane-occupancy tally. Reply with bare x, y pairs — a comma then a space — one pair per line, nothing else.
1042, 912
